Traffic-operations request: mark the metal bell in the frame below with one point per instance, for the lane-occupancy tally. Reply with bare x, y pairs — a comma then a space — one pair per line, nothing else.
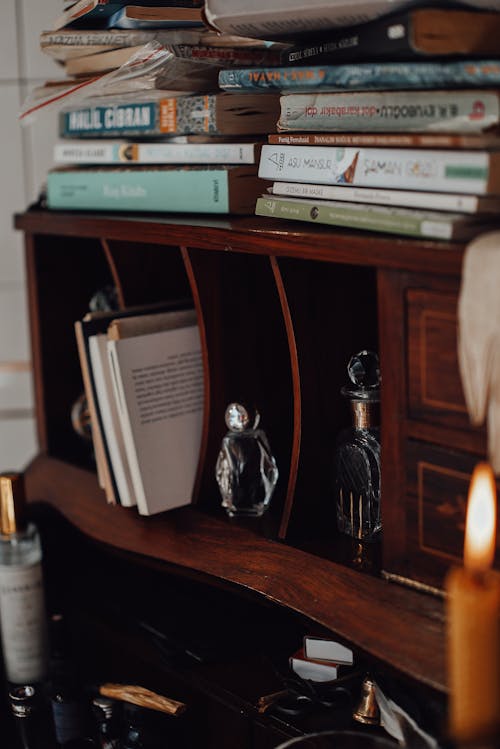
367, 710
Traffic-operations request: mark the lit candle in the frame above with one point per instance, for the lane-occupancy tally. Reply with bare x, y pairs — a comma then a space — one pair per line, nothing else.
473, 607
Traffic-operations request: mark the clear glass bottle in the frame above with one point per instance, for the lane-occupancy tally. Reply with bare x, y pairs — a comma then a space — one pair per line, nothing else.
22, 604
357, 453
246, 470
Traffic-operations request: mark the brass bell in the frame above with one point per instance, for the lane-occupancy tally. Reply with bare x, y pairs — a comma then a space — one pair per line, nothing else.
367, 710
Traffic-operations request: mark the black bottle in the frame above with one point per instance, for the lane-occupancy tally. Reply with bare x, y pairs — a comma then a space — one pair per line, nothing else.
140, 728
64, 687
108, 718
31, 721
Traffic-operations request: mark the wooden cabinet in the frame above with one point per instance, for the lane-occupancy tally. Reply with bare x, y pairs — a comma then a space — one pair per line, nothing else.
280, 313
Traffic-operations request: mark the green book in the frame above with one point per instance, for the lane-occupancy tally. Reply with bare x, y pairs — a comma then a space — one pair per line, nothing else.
165, 189
412, 223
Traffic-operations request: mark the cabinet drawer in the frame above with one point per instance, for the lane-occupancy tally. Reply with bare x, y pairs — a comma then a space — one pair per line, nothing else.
437, 486
434, 387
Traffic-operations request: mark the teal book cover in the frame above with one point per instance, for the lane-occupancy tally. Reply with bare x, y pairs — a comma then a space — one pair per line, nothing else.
156, 190
364, 76
134, 118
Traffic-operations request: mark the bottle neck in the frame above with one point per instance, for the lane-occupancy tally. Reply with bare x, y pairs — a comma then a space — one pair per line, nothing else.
364, 414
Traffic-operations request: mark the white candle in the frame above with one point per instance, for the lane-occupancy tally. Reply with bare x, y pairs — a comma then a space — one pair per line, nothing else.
473, 608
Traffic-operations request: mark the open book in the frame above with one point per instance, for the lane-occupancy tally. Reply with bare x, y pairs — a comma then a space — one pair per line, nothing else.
157, 380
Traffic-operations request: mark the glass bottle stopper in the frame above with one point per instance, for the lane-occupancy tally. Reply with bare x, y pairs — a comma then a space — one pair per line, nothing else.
239, 417
364, 373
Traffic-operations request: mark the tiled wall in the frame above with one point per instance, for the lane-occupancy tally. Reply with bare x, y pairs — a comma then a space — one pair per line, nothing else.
25, 156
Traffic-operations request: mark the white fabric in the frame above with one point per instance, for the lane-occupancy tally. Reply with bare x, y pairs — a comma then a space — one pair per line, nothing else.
479, 337
400, 725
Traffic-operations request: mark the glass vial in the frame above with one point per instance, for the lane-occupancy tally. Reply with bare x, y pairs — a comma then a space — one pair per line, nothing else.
22, 605
246, 470
357, 454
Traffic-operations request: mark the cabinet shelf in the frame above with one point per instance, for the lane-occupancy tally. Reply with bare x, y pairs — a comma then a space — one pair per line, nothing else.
402, 628
280, 308
253, 235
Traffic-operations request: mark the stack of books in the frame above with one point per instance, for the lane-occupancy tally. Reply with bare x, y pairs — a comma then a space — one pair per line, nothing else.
143, 378
388, 121
320, 660
143, 125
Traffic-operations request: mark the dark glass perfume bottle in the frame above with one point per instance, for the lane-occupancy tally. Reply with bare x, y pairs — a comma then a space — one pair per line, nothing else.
107, 716
357, 453
30, 717
64, 685
246, 470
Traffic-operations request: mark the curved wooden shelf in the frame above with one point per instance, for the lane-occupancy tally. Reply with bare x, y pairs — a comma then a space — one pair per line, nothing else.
401, 627
257, 235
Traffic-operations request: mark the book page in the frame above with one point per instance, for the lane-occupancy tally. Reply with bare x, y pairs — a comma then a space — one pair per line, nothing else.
159, 380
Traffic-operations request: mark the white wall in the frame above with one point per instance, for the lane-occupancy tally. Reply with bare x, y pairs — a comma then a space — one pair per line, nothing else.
25, 156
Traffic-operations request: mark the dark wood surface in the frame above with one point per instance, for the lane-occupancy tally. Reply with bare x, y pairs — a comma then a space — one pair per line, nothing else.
401, 627
245, 276
250, 234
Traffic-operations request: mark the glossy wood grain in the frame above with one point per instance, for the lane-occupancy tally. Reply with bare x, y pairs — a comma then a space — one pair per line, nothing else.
401, 627
257, 235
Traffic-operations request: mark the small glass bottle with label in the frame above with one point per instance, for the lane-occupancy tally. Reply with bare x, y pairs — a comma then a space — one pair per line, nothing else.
22, 605
357, 453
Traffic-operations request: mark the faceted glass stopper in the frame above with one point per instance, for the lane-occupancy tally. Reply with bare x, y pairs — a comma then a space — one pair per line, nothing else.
239, 417
246, 470
364, 373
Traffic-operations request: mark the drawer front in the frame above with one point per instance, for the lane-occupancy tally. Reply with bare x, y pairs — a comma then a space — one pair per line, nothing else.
434, 387
437, 486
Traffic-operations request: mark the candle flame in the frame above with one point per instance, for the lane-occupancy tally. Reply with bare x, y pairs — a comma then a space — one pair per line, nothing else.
480, 525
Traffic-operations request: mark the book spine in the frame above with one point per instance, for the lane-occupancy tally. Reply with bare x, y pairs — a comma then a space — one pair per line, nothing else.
225, 55
381, 39
182, 190
171, 115
455, 111
118, 37
101, 152
384, 140
367, 76
126, 425
269, 21
400, 198
435, 171
374, 218
113, 439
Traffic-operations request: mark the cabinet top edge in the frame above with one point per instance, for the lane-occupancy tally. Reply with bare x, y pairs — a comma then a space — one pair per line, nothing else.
255, 235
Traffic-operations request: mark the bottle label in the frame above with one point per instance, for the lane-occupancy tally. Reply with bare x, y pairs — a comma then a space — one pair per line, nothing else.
22, 622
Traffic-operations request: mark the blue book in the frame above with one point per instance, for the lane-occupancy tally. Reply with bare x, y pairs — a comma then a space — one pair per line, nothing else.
165, 17
167, 190
364, 76
96, 13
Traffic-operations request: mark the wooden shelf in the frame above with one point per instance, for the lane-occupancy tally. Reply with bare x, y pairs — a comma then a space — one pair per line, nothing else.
253, 235
401, 627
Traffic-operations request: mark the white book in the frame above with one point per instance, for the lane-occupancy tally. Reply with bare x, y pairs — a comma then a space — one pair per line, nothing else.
312, 670
318, 648
113, 435
158, 383
270, 18
453, 171
404, 198
116, 152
